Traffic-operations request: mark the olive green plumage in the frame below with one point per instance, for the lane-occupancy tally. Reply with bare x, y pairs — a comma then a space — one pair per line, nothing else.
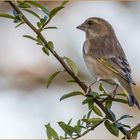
105, 57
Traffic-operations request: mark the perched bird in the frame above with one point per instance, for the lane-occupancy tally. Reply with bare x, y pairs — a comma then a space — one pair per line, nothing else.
104, 56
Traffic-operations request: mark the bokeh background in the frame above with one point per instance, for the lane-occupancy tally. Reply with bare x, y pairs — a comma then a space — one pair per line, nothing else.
25, 103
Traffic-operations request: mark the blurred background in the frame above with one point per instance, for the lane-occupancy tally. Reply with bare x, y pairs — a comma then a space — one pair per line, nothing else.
25, 103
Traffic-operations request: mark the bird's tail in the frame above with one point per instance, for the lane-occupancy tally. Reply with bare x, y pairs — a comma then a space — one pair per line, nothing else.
132, 101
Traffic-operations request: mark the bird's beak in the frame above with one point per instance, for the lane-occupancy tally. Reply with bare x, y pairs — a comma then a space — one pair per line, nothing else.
81, 27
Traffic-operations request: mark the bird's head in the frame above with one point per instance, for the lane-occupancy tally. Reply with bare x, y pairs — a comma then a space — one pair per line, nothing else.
95, 26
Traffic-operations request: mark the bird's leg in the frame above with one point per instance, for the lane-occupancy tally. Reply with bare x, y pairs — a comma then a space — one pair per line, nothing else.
113, 93
89, 87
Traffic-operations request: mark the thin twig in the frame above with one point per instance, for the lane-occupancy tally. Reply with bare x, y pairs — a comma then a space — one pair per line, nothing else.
134, 128
60, 59
92, 128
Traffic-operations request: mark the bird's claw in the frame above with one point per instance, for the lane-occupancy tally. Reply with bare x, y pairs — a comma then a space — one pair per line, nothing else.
113, 93
89, 87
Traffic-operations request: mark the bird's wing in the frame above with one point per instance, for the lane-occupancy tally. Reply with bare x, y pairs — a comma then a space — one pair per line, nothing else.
108, 51
118, 66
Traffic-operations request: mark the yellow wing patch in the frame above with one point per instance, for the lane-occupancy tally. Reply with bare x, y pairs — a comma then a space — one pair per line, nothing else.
110, 67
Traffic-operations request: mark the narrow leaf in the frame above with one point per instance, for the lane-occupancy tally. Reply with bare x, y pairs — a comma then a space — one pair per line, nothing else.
97, 111
30, 37
108, 104
54, 11
52, 77
135, 135
102, 89
39, 25
119, 125
51, 133
31, 12
71, 81
36, 4
95, 121
112, 114
89, 114
121, 94
19, 24
111, 128
42, 21
78, 127
50, 45
23, 5
87, 100
53, 27
94, 94
45, 50
66, 128
64, 3
124, 117
70, 121
75, 93
120, 100
7, 16
72, 65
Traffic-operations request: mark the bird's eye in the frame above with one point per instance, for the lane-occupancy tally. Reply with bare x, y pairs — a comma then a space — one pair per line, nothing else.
89, 22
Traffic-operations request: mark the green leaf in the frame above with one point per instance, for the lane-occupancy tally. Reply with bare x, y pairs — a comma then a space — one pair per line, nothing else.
86, 121
37, 4
39, 25
45, 50
78, 127
23, 5
87, 100
30, 37
95, 121
50, 45
124, 117
7, 16
119, 125
51, 133
89, 114
120, 100
40, 42
71, 81
121, 94
19, 24
64, 3
74, 93
54, 11
42, 20
112, 114
101, 88
108, 104
52, 77
94, 94
70, 121
62, 138
97, 111
52, 27
124, 125
31, 12
72, 65
135, 135
111, 128
135, 131
66, 128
